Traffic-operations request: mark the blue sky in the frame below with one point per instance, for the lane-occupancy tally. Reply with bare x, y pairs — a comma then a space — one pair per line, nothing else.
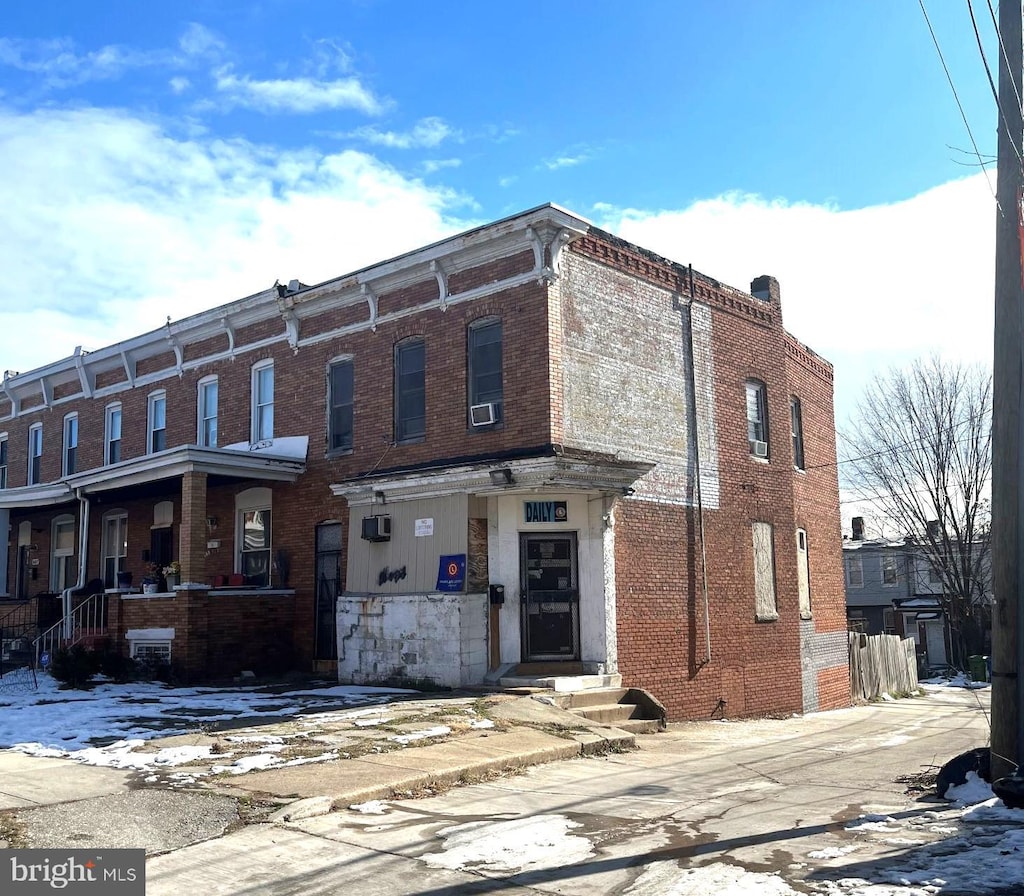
160, 159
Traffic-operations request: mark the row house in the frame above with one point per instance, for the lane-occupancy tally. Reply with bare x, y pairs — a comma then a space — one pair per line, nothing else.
532, 447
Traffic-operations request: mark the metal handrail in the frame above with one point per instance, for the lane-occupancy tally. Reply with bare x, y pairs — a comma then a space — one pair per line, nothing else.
87, 618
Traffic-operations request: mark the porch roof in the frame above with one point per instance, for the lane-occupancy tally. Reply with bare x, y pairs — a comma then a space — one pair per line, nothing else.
153, 467
525, 475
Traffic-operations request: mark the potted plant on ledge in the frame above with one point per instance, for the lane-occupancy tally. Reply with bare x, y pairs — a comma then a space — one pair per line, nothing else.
151, 579
172, 574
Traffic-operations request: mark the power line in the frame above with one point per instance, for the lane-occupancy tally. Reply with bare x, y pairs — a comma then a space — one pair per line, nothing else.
1002, 50
959, 105
991, 82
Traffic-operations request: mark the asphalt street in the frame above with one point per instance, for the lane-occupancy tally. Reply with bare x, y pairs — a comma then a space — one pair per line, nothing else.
773, 796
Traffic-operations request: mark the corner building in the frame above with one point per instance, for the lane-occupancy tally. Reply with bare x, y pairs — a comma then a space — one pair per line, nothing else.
530, 446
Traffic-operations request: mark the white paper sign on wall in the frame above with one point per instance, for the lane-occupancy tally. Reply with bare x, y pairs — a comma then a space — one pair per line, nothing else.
424, 527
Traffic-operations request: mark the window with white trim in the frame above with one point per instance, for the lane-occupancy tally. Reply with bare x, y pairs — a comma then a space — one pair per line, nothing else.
63, 569
484, 362
112, 434
148, 650
156, 422
114, 545
890, 569
410, 390
206, 436
69, 461
854, 572
340, 389
253, 535
765, 606
35, 454
757, 418
262, 428
3, 461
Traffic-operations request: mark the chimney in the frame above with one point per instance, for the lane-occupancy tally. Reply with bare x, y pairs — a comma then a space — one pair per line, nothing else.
932, 528
858, 528
766, 289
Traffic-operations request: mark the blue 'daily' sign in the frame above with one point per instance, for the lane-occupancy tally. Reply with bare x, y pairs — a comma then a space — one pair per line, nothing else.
451, 572
545, 511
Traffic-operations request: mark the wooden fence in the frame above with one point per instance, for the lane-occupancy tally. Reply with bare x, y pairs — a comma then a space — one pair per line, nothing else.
882, 664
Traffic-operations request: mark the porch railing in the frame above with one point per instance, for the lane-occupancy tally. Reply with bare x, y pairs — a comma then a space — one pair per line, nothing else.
87, 622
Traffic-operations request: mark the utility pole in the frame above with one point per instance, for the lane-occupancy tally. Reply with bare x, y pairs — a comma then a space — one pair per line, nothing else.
1007, 416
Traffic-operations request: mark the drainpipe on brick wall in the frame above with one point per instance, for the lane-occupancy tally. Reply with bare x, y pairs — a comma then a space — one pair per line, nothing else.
83, 560
696, 463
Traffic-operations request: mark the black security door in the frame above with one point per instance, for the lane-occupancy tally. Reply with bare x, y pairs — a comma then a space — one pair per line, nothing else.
328, 586
550, 597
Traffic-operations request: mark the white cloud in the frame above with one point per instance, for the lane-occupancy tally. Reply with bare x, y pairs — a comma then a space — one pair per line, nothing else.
297, 95
427, 132
60, 65
565, 161
179, 84
120, 224
432, 166
867, 288
199, 41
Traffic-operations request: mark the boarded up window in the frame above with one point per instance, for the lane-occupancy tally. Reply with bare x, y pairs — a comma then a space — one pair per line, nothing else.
764, 572
803, 574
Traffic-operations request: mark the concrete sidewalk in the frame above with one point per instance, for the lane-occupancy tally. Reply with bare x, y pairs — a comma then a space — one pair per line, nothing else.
401, 749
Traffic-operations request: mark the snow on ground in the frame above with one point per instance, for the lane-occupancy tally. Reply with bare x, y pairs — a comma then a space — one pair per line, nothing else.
109, 724
511, 847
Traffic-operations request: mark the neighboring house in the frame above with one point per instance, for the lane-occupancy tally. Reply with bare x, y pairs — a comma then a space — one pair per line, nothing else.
530, 443
892, 588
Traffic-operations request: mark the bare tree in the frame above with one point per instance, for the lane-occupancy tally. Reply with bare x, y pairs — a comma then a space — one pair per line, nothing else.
920, 454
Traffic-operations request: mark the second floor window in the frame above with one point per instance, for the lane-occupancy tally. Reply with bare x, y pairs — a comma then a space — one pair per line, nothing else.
3, 463
855, 572
340, 388
889, 570
410, 391
207, 435
263, 402
797, 422
112, 439
157, 424
35, 454
70, 444
484, 376
757, 418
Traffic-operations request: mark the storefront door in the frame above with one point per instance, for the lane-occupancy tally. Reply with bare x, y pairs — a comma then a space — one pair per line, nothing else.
549, 596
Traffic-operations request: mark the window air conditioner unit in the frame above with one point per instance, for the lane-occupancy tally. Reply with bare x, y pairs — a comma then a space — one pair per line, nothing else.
377, 528
483, 414
759, 449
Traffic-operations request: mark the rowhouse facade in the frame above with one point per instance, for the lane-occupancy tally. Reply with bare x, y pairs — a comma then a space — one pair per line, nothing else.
532, 443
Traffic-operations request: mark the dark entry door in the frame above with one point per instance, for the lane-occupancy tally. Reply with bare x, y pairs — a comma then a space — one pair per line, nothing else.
549, 597
328, 586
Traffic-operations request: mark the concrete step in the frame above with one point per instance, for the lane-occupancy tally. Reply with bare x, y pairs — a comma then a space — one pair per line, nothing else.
592, 697
561, 683
640, 726
609, 713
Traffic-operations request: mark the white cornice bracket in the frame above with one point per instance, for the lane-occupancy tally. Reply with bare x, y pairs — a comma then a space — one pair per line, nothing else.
371, 300
442, 283
129, 368
291, 321
229, 331
83, 375
179, 355
538, 250
557, 244
46, 392
15, 403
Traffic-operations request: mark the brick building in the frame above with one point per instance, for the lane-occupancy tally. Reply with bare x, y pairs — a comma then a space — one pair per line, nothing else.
529, 443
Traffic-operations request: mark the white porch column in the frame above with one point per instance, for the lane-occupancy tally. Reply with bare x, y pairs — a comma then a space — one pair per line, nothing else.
5, 547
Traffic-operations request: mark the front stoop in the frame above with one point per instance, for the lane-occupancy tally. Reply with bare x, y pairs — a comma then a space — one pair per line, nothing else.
561, 677
629, 709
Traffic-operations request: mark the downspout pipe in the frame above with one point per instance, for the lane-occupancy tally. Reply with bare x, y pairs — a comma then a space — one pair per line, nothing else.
83, 559
697, 471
